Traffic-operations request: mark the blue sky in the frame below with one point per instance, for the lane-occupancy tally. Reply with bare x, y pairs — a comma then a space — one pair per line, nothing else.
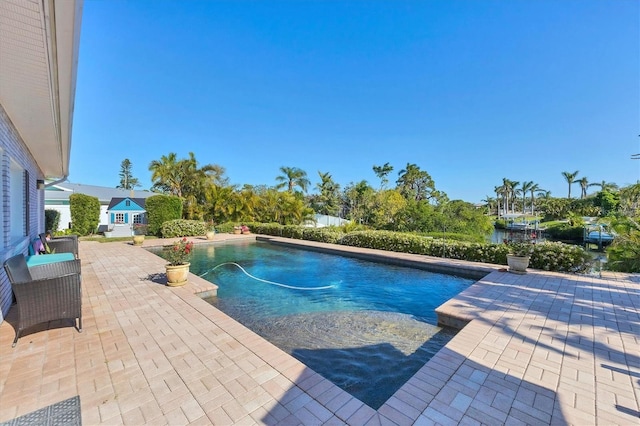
470, 91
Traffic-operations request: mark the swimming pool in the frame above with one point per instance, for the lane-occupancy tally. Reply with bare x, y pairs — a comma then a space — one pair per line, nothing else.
366, 326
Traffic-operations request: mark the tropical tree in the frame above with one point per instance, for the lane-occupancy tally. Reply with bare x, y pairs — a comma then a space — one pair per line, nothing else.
524, 188
385, 207
417, 184
570, 178
357, 201
185, 179
508, 190
584, 184
127, 181
328, 200
292, 177
382, 172
605, 186
532, 190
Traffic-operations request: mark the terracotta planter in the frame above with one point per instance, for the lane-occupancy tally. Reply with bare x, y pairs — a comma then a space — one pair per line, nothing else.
177, 275
237, 231
210, 235
138, 240
518, 264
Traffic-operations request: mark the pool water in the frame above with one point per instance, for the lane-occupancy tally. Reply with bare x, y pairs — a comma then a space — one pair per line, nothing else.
368, 329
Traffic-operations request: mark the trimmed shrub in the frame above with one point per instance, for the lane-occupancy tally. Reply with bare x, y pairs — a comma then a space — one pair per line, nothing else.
555, 256
51, 220
226, 227
547, 256
85, 213
322, 235
183, 228
162, 208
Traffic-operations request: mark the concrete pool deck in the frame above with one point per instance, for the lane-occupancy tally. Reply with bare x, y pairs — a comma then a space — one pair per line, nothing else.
540, 348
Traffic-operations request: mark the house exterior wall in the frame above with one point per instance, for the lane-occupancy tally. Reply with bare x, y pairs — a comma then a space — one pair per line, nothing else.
13, 149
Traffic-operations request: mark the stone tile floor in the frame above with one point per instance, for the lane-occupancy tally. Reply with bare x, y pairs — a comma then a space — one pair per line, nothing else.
540, 348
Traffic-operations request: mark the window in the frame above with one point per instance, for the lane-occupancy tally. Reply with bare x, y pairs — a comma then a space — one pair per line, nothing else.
137, 218
127, 203
119, 217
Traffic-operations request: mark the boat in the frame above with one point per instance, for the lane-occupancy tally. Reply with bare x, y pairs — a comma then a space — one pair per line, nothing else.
596, 234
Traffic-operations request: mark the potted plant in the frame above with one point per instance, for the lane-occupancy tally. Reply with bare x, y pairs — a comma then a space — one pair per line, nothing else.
245, 229
139, 231
519, 256
178, 256
237, 230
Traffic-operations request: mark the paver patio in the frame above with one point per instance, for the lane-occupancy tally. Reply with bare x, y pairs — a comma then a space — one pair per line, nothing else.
540, 348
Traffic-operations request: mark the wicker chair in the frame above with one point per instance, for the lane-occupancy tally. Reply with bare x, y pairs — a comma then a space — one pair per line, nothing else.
67, 244
45, 292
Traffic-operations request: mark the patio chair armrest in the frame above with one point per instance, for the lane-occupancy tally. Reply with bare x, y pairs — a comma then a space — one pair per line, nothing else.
63, 245
55, 269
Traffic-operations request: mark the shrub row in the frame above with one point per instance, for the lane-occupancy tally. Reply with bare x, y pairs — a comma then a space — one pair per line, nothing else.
549, 256
183, 228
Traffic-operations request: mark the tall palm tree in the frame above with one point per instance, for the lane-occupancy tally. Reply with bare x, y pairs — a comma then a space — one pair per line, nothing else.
292, 177
525, 187
510, 189
570, 178
534, 188
584, 184
500, 194
164, 175
605, 186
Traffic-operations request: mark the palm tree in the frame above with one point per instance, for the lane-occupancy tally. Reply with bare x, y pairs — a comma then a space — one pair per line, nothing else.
292, 177
164, 175
510, 192
534, 187
570, 178
526, 187
605, 186
584, 184
500, 194
329, 198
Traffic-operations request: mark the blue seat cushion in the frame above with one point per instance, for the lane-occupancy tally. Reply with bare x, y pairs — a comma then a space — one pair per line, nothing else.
43, 259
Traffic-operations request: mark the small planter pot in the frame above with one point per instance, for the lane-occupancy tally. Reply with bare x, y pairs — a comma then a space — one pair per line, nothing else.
237, 231
177, 275
518, 264
138, 240
210, 235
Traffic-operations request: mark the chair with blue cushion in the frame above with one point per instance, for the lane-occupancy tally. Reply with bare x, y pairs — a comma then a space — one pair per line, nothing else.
46, 292
66, 244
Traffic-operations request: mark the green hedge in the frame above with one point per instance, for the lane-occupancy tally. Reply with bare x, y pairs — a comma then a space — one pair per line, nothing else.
85, 213
183, 228
160, 209
51, 220
549, 256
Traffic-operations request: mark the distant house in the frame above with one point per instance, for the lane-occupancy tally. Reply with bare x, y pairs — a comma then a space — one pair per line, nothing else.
56, 197
123, 213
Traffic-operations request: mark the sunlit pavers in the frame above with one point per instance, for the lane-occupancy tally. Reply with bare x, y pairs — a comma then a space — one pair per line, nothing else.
540, 348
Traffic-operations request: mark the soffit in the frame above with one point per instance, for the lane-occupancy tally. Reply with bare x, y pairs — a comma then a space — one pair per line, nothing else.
39, 42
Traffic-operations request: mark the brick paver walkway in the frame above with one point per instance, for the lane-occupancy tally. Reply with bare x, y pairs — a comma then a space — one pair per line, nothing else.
540, 348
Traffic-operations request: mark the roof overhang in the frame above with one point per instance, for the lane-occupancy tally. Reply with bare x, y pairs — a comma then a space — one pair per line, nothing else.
39, 43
